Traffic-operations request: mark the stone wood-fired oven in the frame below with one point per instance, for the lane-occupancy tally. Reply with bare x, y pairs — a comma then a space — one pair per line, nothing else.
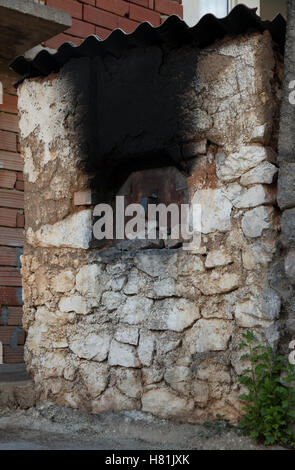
154, 329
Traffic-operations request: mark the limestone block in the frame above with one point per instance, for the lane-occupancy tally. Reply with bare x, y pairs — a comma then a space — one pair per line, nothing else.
75, 231
53, 364
200, 392
218, 283
127, 334
173, 314
135, 310
53, 318
256, 221
255, 196
48, 330
219, 306
174, 375
263, 174
189, 264
249, 259
163, 403
152, 375
128, 381
259, 311
117, 283
135, 283
210, 335
216, 210
233, 191
70, 372
112, 399
218, 257
145, 349
63, 282
157, 263
231, 167
112, 300
95, 377
40, 286
123, 355
163, 288
88, 280
235, 239
74, 303
213, 372
93, 345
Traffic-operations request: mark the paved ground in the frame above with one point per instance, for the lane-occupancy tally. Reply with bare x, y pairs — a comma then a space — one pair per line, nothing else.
56, 428
13, 373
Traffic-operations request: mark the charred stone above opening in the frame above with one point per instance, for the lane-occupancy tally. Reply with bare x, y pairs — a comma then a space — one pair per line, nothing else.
142, 96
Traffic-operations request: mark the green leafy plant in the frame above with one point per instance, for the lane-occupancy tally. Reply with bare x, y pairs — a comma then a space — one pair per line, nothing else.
270, 402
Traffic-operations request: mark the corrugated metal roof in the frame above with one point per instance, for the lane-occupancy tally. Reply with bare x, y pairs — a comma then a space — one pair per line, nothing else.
173, 31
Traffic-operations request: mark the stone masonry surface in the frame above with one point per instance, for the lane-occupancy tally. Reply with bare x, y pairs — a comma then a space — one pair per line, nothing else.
155, 330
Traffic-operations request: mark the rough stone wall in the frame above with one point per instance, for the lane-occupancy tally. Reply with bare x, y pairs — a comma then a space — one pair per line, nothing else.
154, 330
284, 269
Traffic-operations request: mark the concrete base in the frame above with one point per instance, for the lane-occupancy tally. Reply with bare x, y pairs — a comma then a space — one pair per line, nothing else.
16, 387
13, 373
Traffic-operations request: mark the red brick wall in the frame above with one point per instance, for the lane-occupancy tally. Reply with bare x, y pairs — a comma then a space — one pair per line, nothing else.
102, 16
89, 17
11, 227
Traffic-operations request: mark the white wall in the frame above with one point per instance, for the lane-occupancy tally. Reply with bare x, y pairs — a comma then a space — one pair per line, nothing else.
193, 10
190, 12
270, 8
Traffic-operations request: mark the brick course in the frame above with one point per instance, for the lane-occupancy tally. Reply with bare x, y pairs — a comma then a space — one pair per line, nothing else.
7, 218
100, 17
8, 256
11, 228
168, 8
73, 7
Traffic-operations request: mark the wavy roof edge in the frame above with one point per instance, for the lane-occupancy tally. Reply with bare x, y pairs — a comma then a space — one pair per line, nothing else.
174, 30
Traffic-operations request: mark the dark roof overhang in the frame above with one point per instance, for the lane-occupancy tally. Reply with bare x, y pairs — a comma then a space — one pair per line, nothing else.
173, 31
